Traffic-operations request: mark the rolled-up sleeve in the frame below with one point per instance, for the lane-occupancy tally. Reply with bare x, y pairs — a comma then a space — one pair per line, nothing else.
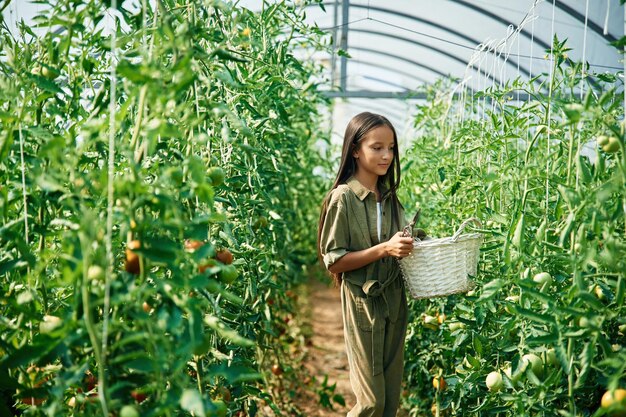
334, 240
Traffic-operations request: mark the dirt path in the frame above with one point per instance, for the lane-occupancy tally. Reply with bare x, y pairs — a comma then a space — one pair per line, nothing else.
327, 353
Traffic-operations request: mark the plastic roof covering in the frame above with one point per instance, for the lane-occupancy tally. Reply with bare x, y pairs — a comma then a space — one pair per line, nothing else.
398, 46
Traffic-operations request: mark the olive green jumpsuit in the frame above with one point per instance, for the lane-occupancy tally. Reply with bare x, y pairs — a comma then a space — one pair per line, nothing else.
373, 299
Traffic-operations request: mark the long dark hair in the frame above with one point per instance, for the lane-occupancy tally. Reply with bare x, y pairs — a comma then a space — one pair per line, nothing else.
357, 128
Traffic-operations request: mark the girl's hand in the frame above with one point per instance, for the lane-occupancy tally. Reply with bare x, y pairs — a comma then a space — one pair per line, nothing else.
399, 246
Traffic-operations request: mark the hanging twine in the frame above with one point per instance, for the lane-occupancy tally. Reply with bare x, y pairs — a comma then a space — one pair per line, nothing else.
23, 184
110, 202
582, 80
550, 109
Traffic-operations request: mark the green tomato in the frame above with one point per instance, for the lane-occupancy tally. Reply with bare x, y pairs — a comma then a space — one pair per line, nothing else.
176, 175
49, 72
456, 325
95, 273
513, 377
543, 278
217, 176
602, 140
129, 411
535, 362
219, 409
494, 381
431, 322
228, 274
550, 357
49, 324
612, 145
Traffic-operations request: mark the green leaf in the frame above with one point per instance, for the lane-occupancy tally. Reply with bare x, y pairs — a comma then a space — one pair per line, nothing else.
159, 250
46, 84
7, 117
573, 111
620, 290
343, 53
478, 346
141, 364
549, 339
338, 398
532, 315
583, 169
228, 56
234, 373
490, 289
7, 266
132, 72
40, 347
586, 359
226, 332
48, 184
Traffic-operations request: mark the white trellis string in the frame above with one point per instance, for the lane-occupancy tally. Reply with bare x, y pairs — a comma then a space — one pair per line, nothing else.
110, 194
19, 129
482, 50
462, 100
550, 109
493, 45
518, 66
518, 142
582, 81
582, 84
23, 183
530, 70
513, 36
494, 66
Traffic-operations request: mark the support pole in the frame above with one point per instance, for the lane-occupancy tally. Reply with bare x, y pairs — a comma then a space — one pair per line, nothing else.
333, 56
345, 8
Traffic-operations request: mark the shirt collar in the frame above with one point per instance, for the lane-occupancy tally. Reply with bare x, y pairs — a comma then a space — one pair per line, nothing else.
358, 188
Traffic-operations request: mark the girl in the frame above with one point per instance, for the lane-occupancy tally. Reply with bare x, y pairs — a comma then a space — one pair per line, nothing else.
359, 242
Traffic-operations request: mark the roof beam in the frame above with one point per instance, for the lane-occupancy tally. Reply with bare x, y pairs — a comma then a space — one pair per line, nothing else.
388, 68
375, 94
416, 63
581, 18
440, 51
473, 42
405, 95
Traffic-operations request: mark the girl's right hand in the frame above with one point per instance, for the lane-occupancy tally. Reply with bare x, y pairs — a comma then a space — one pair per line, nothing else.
399, 246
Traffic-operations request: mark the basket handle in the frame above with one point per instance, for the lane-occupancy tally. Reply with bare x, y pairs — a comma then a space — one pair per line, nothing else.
462, 226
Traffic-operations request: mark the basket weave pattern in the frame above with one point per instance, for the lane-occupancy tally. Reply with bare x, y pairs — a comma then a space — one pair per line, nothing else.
440, 267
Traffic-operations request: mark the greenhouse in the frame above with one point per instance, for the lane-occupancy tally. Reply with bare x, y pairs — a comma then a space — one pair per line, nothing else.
312, 208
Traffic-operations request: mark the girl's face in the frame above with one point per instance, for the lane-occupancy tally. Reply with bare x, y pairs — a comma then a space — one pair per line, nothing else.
374, 154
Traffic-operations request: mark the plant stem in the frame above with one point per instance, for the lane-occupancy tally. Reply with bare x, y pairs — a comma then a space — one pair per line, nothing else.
570, 379
89, 324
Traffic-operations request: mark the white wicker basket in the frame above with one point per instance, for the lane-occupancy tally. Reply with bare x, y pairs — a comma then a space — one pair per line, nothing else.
440, 267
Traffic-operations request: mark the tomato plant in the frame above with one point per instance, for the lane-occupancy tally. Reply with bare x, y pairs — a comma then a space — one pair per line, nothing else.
551, 195
137, 144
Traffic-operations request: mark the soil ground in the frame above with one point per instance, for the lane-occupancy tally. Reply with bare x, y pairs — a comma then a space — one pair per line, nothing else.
327, 351
320, 306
